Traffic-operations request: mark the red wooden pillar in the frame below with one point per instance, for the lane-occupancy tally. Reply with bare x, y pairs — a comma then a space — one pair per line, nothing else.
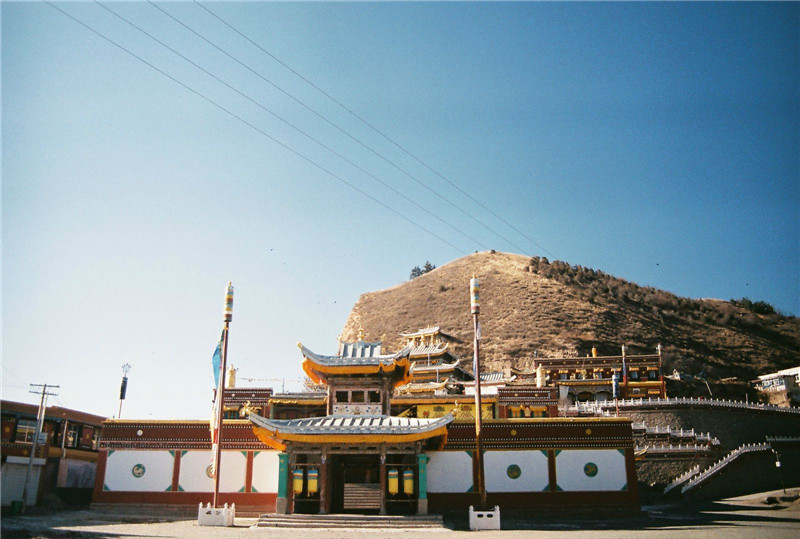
383, 481
248, 474
176, 471
551, 470
323, 484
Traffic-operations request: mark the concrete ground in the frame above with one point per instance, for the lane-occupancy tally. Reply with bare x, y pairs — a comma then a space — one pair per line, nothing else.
743, 517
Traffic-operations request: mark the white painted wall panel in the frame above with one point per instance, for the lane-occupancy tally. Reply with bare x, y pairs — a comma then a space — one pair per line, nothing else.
139, 471
449, 471
265, 471
13, 481
591, 469
515, 471
195, 466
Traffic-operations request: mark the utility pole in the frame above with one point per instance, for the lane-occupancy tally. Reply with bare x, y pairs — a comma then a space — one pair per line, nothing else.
123, 388
39, 425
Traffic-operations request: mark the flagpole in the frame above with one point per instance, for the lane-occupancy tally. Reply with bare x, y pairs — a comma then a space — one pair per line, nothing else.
475, 307
228, 315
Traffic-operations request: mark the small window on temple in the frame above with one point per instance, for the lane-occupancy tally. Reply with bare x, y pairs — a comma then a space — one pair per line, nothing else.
341, 396
357, 396
634, 375
652, 375
374, 396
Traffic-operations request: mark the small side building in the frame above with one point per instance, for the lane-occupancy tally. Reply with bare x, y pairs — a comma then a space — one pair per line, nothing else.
66, 458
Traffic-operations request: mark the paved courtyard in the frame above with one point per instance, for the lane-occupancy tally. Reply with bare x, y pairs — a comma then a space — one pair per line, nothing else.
744, 517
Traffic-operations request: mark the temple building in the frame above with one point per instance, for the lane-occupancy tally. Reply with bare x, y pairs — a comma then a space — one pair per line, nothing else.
596, 378
359, 442
357, 456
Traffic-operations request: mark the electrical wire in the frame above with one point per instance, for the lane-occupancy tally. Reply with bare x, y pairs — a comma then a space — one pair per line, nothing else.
288, 123
256, 128
385, 136
316, 113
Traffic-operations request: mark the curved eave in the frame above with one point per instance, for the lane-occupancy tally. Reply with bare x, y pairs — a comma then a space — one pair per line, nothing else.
274, 436
418, 367
359, 438
318, 367
269, 438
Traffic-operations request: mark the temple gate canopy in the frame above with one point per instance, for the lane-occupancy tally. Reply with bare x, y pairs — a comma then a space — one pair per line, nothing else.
357, 458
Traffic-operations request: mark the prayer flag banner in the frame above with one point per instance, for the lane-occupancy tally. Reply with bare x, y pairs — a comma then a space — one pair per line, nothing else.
216, 361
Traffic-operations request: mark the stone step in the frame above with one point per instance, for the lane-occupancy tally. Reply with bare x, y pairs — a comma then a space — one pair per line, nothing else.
349, 521
362, 496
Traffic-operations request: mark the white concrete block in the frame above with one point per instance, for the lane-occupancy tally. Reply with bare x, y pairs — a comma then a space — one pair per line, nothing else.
216, 516
484, 520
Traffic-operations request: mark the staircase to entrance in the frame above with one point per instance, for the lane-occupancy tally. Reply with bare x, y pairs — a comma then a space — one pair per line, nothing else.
349, 521
362, 497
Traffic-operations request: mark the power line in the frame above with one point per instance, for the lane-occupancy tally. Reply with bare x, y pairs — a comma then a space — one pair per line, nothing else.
255, 128
325, 119
12, 373
379, 132
285, 121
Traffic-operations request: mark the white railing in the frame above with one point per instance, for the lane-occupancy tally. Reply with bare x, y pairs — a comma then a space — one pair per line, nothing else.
780, 439
719, 465
700, 438
695, 477
681, 479
723, 403
675, 448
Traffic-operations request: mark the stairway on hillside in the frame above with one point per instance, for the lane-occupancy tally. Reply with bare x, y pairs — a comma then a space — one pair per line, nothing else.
673, 442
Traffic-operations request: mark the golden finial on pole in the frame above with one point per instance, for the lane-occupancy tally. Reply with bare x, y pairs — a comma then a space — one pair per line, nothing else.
474, 295
228, 312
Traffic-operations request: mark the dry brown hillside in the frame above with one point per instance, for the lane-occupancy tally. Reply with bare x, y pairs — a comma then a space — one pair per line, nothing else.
531, 304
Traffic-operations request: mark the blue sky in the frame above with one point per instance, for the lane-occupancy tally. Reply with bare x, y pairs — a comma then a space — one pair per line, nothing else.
659, 142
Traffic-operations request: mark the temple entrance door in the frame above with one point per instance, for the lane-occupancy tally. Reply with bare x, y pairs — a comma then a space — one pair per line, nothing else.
355, 484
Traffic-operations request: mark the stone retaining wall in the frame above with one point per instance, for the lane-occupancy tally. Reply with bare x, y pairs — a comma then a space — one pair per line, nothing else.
733, 427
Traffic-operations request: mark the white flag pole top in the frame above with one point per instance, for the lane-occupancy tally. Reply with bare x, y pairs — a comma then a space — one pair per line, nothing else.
474, 296
228, 313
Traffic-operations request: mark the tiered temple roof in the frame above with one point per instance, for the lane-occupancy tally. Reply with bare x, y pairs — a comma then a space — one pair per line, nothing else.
362, 360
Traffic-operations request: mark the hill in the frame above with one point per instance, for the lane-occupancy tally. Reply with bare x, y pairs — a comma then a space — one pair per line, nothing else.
532, 305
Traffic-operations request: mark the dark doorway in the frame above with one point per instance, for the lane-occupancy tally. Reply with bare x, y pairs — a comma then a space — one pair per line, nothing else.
355, 484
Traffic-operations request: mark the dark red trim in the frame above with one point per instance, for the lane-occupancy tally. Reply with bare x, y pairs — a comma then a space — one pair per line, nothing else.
551, 470
248, 475
630, 472
176, 471
535, 501
261, 501
100, 474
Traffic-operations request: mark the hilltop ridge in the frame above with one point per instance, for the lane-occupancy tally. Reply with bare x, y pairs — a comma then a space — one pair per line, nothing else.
533, 306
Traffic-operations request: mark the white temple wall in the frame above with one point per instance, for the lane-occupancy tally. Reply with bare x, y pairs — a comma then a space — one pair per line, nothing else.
265, 471
139, 471
516, 471
591, 469
196, 468
449, 471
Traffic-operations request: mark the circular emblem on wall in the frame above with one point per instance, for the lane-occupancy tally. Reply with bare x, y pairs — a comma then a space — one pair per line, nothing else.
210, 471
590, 469
514, 471
137, 470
